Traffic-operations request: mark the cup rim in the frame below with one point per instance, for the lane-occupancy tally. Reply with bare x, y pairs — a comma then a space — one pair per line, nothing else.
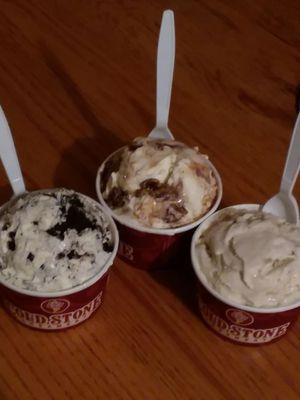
159, 231
201, 277
87, 283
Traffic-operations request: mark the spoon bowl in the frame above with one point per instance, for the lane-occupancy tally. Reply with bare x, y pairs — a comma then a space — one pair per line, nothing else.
161, 133
284, 206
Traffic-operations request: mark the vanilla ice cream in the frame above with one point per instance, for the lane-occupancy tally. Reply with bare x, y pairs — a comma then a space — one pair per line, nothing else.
161, 184
52, 240
251, 258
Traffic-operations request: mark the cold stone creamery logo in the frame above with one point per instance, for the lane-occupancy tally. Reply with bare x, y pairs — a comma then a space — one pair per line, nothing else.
55, 306
126, 250
57, 321
241, 333
239, 317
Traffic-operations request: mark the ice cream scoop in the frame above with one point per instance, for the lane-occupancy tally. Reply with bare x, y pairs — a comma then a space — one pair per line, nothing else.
251, 258
247, 265
159, 183
53, 240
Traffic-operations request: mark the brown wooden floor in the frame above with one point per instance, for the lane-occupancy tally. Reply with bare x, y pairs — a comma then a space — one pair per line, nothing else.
77, 80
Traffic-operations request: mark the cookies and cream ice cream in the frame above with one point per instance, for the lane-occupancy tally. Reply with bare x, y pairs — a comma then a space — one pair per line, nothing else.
52, 240
161, 184
251, 258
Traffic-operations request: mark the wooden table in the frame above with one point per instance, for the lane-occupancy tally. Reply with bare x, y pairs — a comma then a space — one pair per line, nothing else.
77, 81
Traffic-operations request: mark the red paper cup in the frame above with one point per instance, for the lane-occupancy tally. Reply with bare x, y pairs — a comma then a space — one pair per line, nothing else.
149, 250
152, 248
238, 323
52, 311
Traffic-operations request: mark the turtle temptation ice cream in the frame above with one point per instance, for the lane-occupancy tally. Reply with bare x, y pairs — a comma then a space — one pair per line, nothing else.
159, 183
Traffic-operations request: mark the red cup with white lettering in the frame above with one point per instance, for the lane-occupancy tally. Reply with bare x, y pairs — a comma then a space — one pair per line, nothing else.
147, 250
52, 311
153, 248
239, 323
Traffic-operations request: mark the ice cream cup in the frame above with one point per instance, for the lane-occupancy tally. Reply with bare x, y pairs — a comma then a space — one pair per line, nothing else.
56, 310
239, 323
152, 248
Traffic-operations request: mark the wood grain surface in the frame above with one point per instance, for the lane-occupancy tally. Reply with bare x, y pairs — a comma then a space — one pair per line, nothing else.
77, 81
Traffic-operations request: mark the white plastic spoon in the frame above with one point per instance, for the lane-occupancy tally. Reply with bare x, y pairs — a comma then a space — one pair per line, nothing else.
9, 156
165, 67
284, 204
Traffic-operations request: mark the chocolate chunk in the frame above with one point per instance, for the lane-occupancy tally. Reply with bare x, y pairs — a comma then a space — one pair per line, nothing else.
166, 192
30, 256
117, 198
140, 192
75, 219
111, 165
42, 267
108, 247
11, 244
174, 213
150, 184
35, 222
161, 191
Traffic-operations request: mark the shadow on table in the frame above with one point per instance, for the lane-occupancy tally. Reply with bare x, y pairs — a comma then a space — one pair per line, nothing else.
180, 278
181, 281
5, 194
79, 163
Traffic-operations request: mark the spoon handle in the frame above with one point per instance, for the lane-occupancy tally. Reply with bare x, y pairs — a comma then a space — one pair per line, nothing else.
165, 68
9, 156
292, 163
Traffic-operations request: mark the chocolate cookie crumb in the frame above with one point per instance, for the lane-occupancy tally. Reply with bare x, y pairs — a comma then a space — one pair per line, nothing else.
30, 257
117, 198
108, 247
5, 226
60, 256
75, 219
73, 255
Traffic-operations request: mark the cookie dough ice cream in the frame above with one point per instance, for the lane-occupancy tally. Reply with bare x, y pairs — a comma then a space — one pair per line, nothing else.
53, 240
161, 184
251, 258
